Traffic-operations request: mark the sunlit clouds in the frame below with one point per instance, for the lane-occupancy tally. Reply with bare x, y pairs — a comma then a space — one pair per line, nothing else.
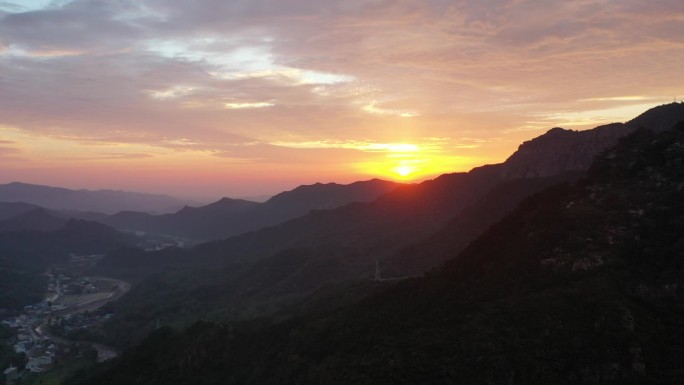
248, 105
254, 96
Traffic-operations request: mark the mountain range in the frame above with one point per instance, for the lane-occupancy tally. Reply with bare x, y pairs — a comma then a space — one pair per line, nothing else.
578, 283
575, 240
404, 232
228, 217
100, 201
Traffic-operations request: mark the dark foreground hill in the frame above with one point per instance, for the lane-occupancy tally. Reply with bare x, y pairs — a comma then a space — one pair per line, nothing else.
580, 284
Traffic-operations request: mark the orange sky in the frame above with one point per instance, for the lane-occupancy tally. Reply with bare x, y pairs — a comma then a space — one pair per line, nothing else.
214, 98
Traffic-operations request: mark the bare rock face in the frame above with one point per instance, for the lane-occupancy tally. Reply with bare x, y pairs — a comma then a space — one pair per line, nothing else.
560, 150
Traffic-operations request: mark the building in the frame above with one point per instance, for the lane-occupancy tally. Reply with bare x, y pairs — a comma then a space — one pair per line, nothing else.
34, 365
11, 373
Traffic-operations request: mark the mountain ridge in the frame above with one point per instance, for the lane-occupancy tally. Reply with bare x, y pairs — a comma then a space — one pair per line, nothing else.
560, 150
229, 217
379, 232
105, 201
37, 219
579, 284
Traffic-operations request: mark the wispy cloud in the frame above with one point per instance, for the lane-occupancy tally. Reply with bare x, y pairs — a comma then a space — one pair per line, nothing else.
353, 145
328, 76
622, 99
106, 157
373, 109
243, 105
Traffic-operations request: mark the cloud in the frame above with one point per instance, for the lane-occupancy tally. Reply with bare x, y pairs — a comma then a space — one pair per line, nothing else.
108, 156
354, 145
214, 75
10, 154
373, 109
5, 151
242, 105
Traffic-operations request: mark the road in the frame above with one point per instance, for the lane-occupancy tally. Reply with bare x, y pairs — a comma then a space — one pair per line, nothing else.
104, 352
90, 304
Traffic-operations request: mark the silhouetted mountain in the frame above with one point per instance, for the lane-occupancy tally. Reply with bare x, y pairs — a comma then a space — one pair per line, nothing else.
396, 218
104, 201
36, 219
449, 212
199, 223
12, 209
83, 215
229, 217
41, 248
291, 260
580, 284
560, 150
467, 225
321, 196
659, 118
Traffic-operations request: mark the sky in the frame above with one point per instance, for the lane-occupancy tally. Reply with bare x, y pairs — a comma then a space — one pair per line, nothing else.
211, 98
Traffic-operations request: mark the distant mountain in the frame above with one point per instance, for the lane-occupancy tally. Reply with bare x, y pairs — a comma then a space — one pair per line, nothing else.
25, 216
198, 223
104, 201
36, 219
12, 209
41, 248
579, 284
90, 216
326, 196
228, 217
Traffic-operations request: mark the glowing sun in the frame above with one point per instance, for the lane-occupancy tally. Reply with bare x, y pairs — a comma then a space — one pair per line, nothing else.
404, 170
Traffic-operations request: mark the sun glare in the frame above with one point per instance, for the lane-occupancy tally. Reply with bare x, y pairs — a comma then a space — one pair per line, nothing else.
404, 170
408, 163
400, 161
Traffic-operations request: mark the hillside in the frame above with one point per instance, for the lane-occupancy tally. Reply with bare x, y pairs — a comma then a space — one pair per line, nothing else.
25, 254
468, 225
578, 285
41, 248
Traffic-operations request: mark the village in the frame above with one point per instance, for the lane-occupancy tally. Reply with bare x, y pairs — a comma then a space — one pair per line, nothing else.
41, 332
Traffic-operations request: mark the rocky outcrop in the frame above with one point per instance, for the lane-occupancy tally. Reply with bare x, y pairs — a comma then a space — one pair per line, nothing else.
560, 150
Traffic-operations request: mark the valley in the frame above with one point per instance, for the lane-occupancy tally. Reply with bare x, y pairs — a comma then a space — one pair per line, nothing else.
326, 192
42, 332
480, 275
578, 284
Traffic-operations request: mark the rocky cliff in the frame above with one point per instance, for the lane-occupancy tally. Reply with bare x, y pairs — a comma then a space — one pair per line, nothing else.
560, 150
